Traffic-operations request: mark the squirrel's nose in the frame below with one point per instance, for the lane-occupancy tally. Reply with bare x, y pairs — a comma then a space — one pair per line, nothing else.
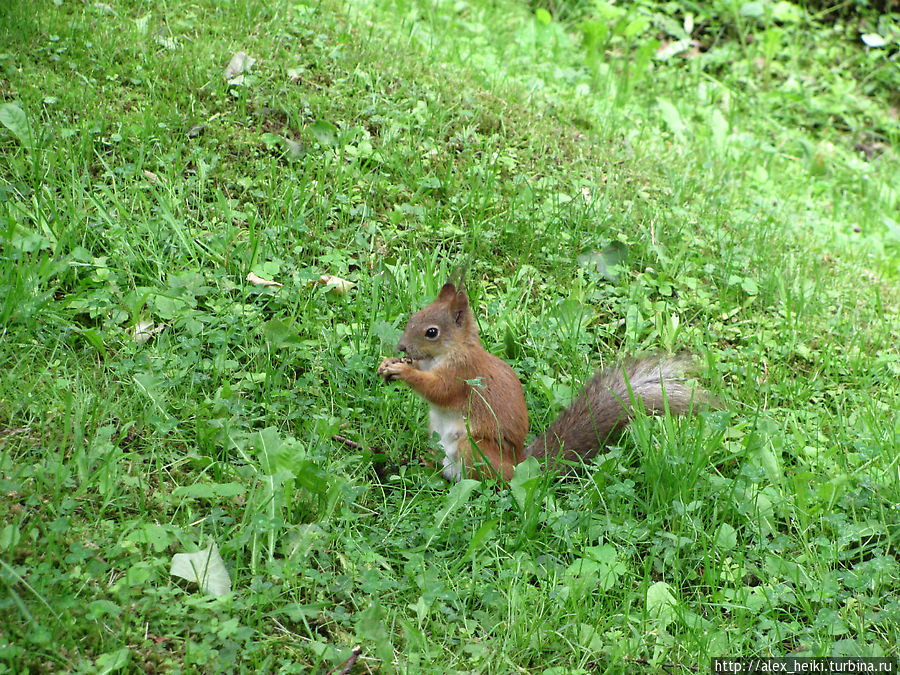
401, 346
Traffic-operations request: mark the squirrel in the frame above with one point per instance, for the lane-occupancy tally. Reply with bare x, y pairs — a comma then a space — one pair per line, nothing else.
477, 405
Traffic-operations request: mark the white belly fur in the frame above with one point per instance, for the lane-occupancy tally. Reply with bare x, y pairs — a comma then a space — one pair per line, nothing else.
451, 428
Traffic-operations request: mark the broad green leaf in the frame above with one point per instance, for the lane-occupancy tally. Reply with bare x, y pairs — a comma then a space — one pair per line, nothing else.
832, 490
758, 507
671, 117
456, 497
95, 339
14, 119
370, 626
786, 12
726, 537
584, 572
766, 457
160, 537
481, 534
589, 638
608, 11
611, 568
280, 333
893, 228
9, 537
524, 481
636, 27
270, 140
599, 567
325, 133
113, 661
661, 603
543, 16
752, 9
311, 476
719, 127
267, 443
595, 34
101, 608
370, 623
429, 183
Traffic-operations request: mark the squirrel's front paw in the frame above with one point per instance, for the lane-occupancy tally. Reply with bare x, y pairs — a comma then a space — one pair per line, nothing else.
392, 368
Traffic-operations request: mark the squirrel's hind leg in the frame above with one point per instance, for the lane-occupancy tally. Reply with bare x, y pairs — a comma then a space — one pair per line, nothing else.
483, 458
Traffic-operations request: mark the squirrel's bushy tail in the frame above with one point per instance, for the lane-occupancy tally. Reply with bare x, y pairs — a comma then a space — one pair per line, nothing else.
605, 405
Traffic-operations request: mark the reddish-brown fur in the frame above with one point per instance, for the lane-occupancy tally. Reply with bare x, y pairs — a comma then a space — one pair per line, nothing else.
453, 372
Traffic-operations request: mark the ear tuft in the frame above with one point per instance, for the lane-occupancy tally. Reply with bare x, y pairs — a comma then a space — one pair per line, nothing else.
448, 292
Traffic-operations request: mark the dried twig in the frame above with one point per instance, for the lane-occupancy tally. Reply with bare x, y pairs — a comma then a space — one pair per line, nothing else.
382, 469
347, 442
347, 664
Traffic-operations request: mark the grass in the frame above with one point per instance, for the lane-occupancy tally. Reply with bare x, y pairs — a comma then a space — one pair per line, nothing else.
748, 193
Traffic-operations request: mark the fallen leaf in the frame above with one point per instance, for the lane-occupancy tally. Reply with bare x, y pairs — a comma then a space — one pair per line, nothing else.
103, 7
153, 178
259, 281
608, 262
142, 24
144, 330
166, 42
586, 195
294, 149
336, 284
672, 48
204, 568
239, 63
873, 40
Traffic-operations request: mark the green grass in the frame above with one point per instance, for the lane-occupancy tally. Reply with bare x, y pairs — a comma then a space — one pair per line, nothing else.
750, 191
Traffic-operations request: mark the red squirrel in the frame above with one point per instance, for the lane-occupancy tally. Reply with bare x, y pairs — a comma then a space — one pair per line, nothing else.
477, 406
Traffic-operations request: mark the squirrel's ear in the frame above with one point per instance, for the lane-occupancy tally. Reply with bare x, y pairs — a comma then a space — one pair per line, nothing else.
448, 292
459, 307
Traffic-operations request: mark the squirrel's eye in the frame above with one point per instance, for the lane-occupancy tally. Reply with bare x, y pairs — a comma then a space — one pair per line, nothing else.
431, 333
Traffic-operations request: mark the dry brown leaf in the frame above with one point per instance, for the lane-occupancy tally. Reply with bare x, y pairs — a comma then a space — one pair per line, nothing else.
336, 284
259, 281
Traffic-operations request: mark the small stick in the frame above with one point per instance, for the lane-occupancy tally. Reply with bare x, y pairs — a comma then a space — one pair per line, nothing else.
381, 469
347, 442
348, 664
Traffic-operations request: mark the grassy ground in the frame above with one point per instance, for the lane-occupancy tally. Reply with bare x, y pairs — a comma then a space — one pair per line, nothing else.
153, 400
